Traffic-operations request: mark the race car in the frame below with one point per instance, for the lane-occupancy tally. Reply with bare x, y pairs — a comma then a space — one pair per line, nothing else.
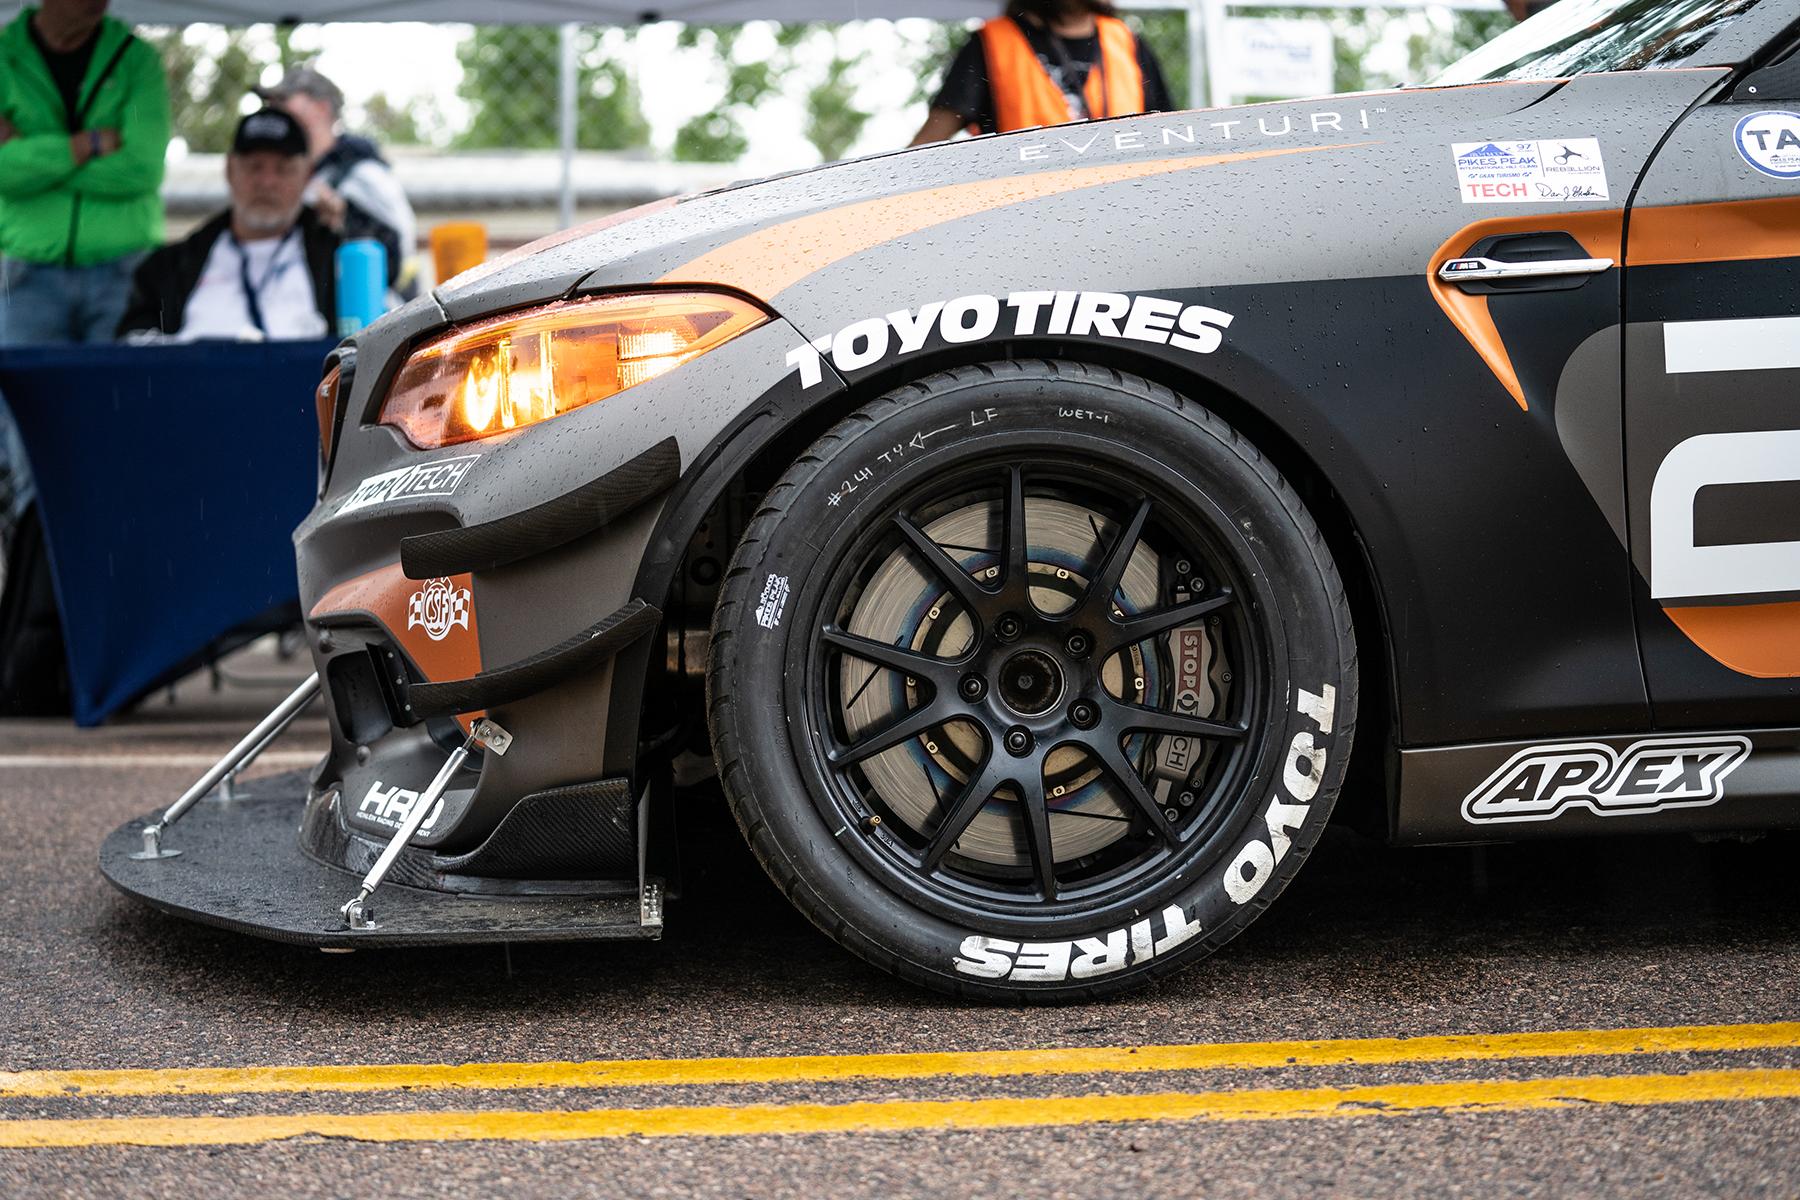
1043, 535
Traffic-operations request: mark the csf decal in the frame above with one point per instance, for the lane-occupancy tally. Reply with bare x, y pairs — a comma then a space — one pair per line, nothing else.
1191, 327
1770, 142
1653, 775
437, 608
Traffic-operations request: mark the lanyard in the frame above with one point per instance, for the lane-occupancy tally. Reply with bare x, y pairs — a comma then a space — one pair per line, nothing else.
253, 292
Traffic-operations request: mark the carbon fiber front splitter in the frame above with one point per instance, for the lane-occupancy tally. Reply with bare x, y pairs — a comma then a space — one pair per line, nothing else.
241, 868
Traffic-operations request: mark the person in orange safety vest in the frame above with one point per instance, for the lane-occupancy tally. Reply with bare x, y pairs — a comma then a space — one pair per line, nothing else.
1046, 62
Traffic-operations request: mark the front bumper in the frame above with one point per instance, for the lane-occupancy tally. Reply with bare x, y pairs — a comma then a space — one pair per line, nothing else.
241, 868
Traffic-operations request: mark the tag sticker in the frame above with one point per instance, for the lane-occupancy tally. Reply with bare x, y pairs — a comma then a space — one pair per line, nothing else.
1770, 142
1553, 170
774, 600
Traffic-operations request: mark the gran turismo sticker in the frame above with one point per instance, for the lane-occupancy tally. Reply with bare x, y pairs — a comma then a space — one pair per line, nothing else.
1191, 327
1653, 775
437, 608
391, 806
438, 478
1501, 172
1770, 142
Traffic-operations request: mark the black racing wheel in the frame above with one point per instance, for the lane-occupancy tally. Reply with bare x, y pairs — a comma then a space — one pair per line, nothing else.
1032, 680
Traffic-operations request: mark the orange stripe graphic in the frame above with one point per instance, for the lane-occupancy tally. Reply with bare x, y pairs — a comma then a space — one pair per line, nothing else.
1762, 640
770, 260
1727, 231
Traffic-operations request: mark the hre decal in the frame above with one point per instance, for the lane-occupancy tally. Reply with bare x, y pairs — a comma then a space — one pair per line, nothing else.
1191, 327
392, 806
1543, 782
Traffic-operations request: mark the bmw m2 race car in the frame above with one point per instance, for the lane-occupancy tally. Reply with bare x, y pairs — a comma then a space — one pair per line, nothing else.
1038, 531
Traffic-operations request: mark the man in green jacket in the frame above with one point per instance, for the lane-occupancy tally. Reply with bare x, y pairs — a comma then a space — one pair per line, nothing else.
84, 126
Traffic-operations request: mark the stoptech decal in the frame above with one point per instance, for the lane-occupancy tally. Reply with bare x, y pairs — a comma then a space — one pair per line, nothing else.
1501, 172
1543, 782
1770, 142
438, 478
1082, 958
1192, 327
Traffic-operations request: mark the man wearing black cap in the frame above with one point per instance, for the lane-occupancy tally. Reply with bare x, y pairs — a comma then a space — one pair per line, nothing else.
353, 188
263, 269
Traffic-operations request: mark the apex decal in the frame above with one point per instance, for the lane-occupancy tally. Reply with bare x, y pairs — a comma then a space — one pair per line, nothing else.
1543, 782
438, 478
1191, 327
438, 607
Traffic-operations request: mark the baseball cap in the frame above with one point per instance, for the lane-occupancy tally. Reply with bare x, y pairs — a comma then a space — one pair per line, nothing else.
269, 129
304, 79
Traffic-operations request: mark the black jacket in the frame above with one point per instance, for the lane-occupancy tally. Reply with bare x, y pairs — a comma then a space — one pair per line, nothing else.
163, 282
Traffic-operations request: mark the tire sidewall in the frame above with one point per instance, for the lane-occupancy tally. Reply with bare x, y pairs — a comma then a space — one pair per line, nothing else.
852, 479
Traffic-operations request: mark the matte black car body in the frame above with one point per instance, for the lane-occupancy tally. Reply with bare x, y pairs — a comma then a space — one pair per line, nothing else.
1485, 462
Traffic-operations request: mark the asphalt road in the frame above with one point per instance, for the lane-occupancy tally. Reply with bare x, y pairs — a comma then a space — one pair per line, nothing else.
1405, 951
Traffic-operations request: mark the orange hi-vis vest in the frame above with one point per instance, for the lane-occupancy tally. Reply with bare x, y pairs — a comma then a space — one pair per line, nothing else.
1024, 93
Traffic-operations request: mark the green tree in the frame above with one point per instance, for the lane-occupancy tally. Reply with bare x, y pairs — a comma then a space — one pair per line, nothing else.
833, 122
210, 71
394, 122
510, 81
717, 135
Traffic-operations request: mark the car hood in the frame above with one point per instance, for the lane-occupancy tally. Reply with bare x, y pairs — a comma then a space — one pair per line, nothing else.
769, 236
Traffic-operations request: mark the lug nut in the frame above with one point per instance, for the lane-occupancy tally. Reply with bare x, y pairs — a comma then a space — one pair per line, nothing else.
973, 687
1008, 627
1084, 714
1078, 644
1018, 741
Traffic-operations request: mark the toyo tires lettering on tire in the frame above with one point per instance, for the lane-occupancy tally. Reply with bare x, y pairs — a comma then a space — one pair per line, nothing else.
1062, 691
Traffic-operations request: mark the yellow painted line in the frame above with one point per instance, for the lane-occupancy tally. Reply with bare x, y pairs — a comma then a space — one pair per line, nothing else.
1282, 1104
1097, 1060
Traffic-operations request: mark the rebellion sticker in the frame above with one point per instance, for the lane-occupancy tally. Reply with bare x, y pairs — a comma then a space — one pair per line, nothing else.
1543, 782
1770, 142
1191, 327
438, 478
1529, 172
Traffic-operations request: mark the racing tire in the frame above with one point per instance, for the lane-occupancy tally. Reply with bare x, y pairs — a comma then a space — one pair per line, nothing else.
1032, 681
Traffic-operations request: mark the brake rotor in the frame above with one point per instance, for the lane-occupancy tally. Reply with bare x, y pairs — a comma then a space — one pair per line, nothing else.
901, 605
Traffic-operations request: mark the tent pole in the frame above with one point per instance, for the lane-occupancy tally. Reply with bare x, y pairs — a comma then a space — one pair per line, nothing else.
1212, 20
565, 81
1196, 51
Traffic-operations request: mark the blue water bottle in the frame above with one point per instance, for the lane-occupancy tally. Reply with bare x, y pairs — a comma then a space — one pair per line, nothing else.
361, 284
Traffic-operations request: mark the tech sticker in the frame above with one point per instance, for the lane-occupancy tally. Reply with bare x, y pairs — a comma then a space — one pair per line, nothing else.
1770, 142
1557, 169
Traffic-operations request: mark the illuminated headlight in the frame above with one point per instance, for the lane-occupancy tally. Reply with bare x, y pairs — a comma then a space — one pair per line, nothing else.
526, 367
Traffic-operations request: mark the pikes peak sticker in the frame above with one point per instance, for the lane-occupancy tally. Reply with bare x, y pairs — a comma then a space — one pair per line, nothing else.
1501, 172
1770, 142
1543, 782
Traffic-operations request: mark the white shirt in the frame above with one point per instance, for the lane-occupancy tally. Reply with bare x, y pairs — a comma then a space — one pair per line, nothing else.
283, 285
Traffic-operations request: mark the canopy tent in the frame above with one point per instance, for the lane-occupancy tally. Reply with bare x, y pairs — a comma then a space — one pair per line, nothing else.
1205, 19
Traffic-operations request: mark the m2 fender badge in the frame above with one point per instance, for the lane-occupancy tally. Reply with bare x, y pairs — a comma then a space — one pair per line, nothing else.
1191, 327
1770, 142
438, 478
1541, 783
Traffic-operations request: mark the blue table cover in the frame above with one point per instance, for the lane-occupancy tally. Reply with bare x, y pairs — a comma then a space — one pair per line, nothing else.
170, 480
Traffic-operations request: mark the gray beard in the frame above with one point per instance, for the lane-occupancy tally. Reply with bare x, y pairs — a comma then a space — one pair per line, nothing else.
266, 221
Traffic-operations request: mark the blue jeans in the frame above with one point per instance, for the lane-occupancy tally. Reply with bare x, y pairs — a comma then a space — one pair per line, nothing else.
47, 304
43, 304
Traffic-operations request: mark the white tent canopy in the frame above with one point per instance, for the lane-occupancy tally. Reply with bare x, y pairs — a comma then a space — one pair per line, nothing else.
529, 12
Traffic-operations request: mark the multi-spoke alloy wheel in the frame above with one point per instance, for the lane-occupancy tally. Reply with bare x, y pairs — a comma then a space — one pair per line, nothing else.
1032, 679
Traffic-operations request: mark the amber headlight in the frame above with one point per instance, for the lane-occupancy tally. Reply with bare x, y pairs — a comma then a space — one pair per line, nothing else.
527, 367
